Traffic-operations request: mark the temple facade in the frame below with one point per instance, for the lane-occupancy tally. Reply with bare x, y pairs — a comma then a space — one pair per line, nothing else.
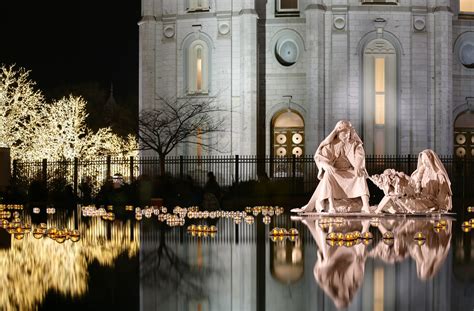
285, 71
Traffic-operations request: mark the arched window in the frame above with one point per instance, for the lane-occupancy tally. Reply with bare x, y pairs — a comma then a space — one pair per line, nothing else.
464, 135
287, 141
288, 134
198, 68
380, 98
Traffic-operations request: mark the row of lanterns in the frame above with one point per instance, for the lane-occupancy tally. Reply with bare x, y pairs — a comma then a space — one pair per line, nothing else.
58, 235
179, 214
19, 230
280, 234
202, 231
468, 225
11, 206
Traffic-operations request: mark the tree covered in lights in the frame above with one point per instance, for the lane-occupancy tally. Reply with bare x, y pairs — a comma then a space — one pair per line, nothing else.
35, 129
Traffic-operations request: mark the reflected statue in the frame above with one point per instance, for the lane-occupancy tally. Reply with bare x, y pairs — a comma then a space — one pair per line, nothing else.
339, 269
427, 190
340, 159
429, 254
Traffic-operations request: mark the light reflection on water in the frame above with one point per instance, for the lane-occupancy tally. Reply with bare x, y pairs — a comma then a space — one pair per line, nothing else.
240, 268
30, 268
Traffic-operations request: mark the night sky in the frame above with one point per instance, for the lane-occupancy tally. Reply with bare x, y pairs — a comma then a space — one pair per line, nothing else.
80, 46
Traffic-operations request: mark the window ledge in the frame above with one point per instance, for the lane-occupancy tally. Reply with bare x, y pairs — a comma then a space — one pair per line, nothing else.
195, 10
197, 94
379, 3
466, 15
287, 14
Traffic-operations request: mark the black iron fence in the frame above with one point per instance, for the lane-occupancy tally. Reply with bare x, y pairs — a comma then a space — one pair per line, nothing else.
229, 170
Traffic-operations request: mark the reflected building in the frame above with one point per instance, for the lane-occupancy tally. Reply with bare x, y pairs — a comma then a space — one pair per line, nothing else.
182, 272
401, 71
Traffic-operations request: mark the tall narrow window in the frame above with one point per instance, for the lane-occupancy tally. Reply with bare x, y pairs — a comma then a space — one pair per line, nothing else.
379, 91
198, 68
466, 6
380, 98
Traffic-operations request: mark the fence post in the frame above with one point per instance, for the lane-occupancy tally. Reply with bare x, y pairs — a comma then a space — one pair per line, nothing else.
44, 172
237, 168
293, 172
108, 167
75, 176
180, 167
15, 171
293, 166
131, 169
409, 163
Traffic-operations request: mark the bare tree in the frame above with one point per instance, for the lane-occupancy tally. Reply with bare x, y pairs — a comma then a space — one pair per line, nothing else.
177, 121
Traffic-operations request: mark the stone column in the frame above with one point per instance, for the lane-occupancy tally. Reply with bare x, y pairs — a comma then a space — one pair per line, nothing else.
248, 80
443, 79
146, 65
315, 121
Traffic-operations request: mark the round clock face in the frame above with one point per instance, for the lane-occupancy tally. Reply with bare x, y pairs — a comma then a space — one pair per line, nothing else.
460, 152
281, 138
287, 52
466, 54
281, 152
297, 138
460, 139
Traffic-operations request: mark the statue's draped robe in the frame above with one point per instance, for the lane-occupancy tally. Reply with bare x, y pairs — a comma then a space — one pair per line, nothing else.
345, 183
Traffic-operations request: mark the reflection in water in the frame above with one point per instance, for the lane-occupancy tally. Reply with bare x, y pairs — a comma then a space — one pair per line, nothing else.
30, 268
339, 270
240, 267
286, 261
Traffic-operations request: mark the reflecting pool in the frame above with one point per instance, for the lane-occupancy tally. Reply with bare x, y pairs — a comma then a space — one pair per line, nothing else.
258, 259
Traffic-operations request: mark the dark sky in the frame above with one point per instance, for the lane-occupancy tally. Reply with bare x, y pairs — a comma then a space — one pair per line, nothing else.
72, 43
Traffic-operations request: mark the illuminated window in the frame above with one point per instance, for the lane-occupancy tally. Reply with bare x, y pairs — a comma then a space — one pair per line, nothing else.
198, 68
380, 91
287, 7
198, 5
380, 97
466, 6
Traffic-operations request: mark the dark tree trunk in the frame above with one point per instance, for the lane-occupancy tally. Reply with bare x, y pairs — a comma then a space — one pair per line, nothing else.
162, 164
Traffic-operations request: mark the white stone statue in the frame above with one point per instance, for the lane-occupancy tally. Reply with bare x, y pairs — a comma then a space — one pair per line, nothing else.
340, 159
427, 190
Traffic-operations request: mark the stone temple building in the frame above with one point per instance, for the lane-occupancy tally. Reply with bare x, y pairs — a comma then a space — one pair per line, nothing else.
285, 71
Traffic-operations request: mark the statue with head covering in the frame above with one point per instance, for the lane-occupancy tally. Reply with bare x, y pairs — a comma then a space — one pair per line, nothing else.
428, 189
340, 159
